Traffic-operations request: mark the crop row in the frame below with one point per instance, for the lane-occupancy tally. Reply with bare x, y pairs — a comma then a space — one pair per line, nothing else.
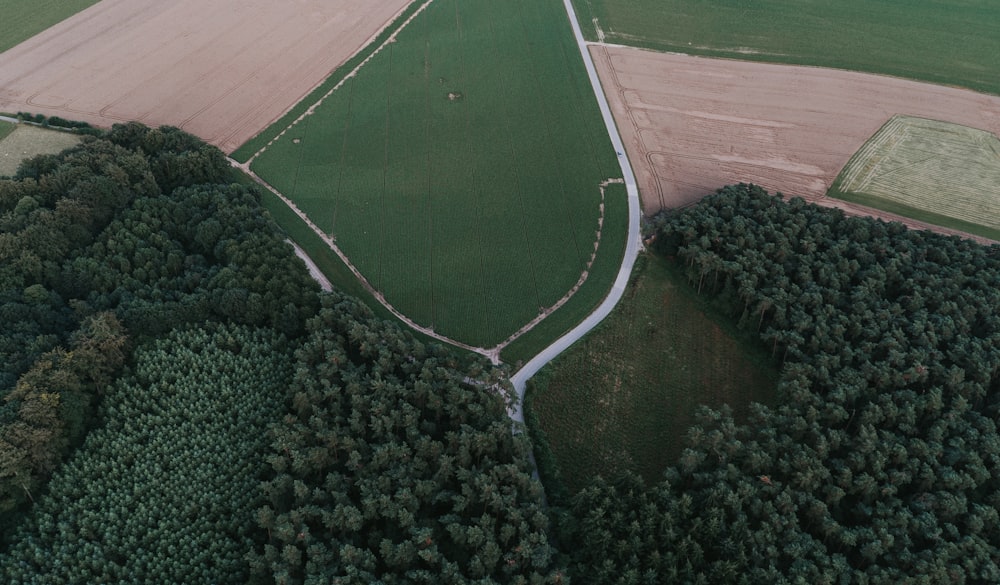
459, 168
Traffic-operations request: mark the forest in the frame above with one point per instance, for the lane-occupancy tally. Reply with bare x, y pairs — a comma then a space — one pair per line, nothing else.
881, 463
181, 403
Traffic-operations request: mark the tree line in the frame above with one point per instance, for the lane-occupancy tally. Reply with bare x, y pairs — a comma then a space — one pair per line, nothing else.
181, 403
121, 238
882, 462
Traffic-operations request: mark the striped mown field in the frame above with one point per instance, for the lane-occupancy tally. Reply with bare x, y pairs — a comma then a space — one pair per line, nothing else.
933, 171
459, 168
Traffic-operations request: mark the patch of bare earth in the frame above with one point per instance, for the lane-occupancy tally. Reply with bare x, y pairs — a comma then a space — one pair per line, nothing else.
694, 124
222, 70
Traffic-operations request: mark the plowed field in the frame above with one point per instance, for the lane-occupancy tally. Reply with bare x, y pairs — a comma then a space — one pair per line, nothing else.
694, 124
222, 70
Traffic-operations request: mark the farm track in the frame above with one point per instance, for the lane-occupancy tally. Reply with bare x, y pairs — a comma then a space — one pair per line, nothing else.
632, 242
693, 124
290, 191
223, 77
493, 353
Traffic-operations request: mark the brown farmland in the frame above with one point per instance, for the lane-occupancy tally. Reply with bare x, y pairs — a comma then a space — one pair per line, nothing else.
693, 124
222, 70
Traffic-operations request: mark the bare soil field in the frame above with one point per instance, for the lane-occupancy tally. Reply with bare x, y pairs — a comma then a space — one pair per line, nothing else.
221, 70
694, 124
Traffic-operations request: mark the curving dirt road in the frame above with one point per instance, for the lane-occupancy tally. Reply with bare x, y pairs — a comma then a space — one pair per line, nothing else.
632, 242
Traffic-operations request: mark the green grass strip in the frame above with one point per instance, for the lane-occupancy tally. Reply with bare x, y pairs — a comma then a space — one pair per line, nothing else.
602, 276
22, 19
5, 129
876, 202
949, 42
250, 147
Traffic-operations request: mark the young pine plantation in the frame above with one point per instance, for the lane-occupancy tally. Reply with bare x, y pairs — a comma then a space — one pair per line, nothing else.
181, 405
151, 308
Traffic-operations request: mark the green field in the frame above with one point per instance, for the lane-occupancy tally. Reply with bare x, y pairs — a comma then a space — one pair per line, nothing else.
5, 129
941, 173
23, 141
952, 42
598, 283
22, 19
625, 395
459, 169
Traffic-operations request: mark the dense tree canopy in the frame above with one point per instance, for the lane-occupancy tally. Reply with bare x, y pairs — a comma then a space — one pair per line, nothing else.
397, 466
882, 465
124, 236
163, 491
388, 460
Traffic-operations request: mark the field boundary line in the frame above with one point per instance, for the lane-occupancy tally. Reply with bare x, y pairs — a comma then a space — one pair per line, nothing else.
492, 353
390, 39
632, 241
583, 275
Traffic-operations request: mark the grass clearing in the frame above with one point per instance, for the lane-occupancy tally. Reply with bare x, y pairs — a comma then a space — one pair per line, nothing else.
951, 42
6, 128
22, 19
938, 172
624, 396
25, 141
459, 169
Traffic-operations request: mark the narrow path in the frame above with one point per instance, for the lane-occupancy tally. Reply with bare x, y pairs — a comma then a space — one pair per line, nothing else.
492, 353
632, 243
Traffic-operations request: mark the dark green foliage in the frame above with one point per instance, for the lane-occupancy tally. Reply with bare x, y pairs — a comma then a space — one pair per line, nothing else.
48, 409
204, 252
394, 465
164, 490
60, 123
100, 233
175, 157
882, 463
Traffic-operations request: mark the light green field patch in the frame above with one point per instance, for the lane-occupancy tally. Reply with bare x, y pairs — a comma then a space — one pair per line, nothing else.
27, 141
5, 129
928, 170
952, 42
22, 19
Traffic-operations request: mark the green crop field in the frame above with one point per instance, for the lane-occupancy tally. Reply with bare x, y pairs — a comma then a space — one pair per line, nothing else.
941, 173
459, 169
23, 142
5, 129
625, 395
601, 276
952, 42
22, 19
